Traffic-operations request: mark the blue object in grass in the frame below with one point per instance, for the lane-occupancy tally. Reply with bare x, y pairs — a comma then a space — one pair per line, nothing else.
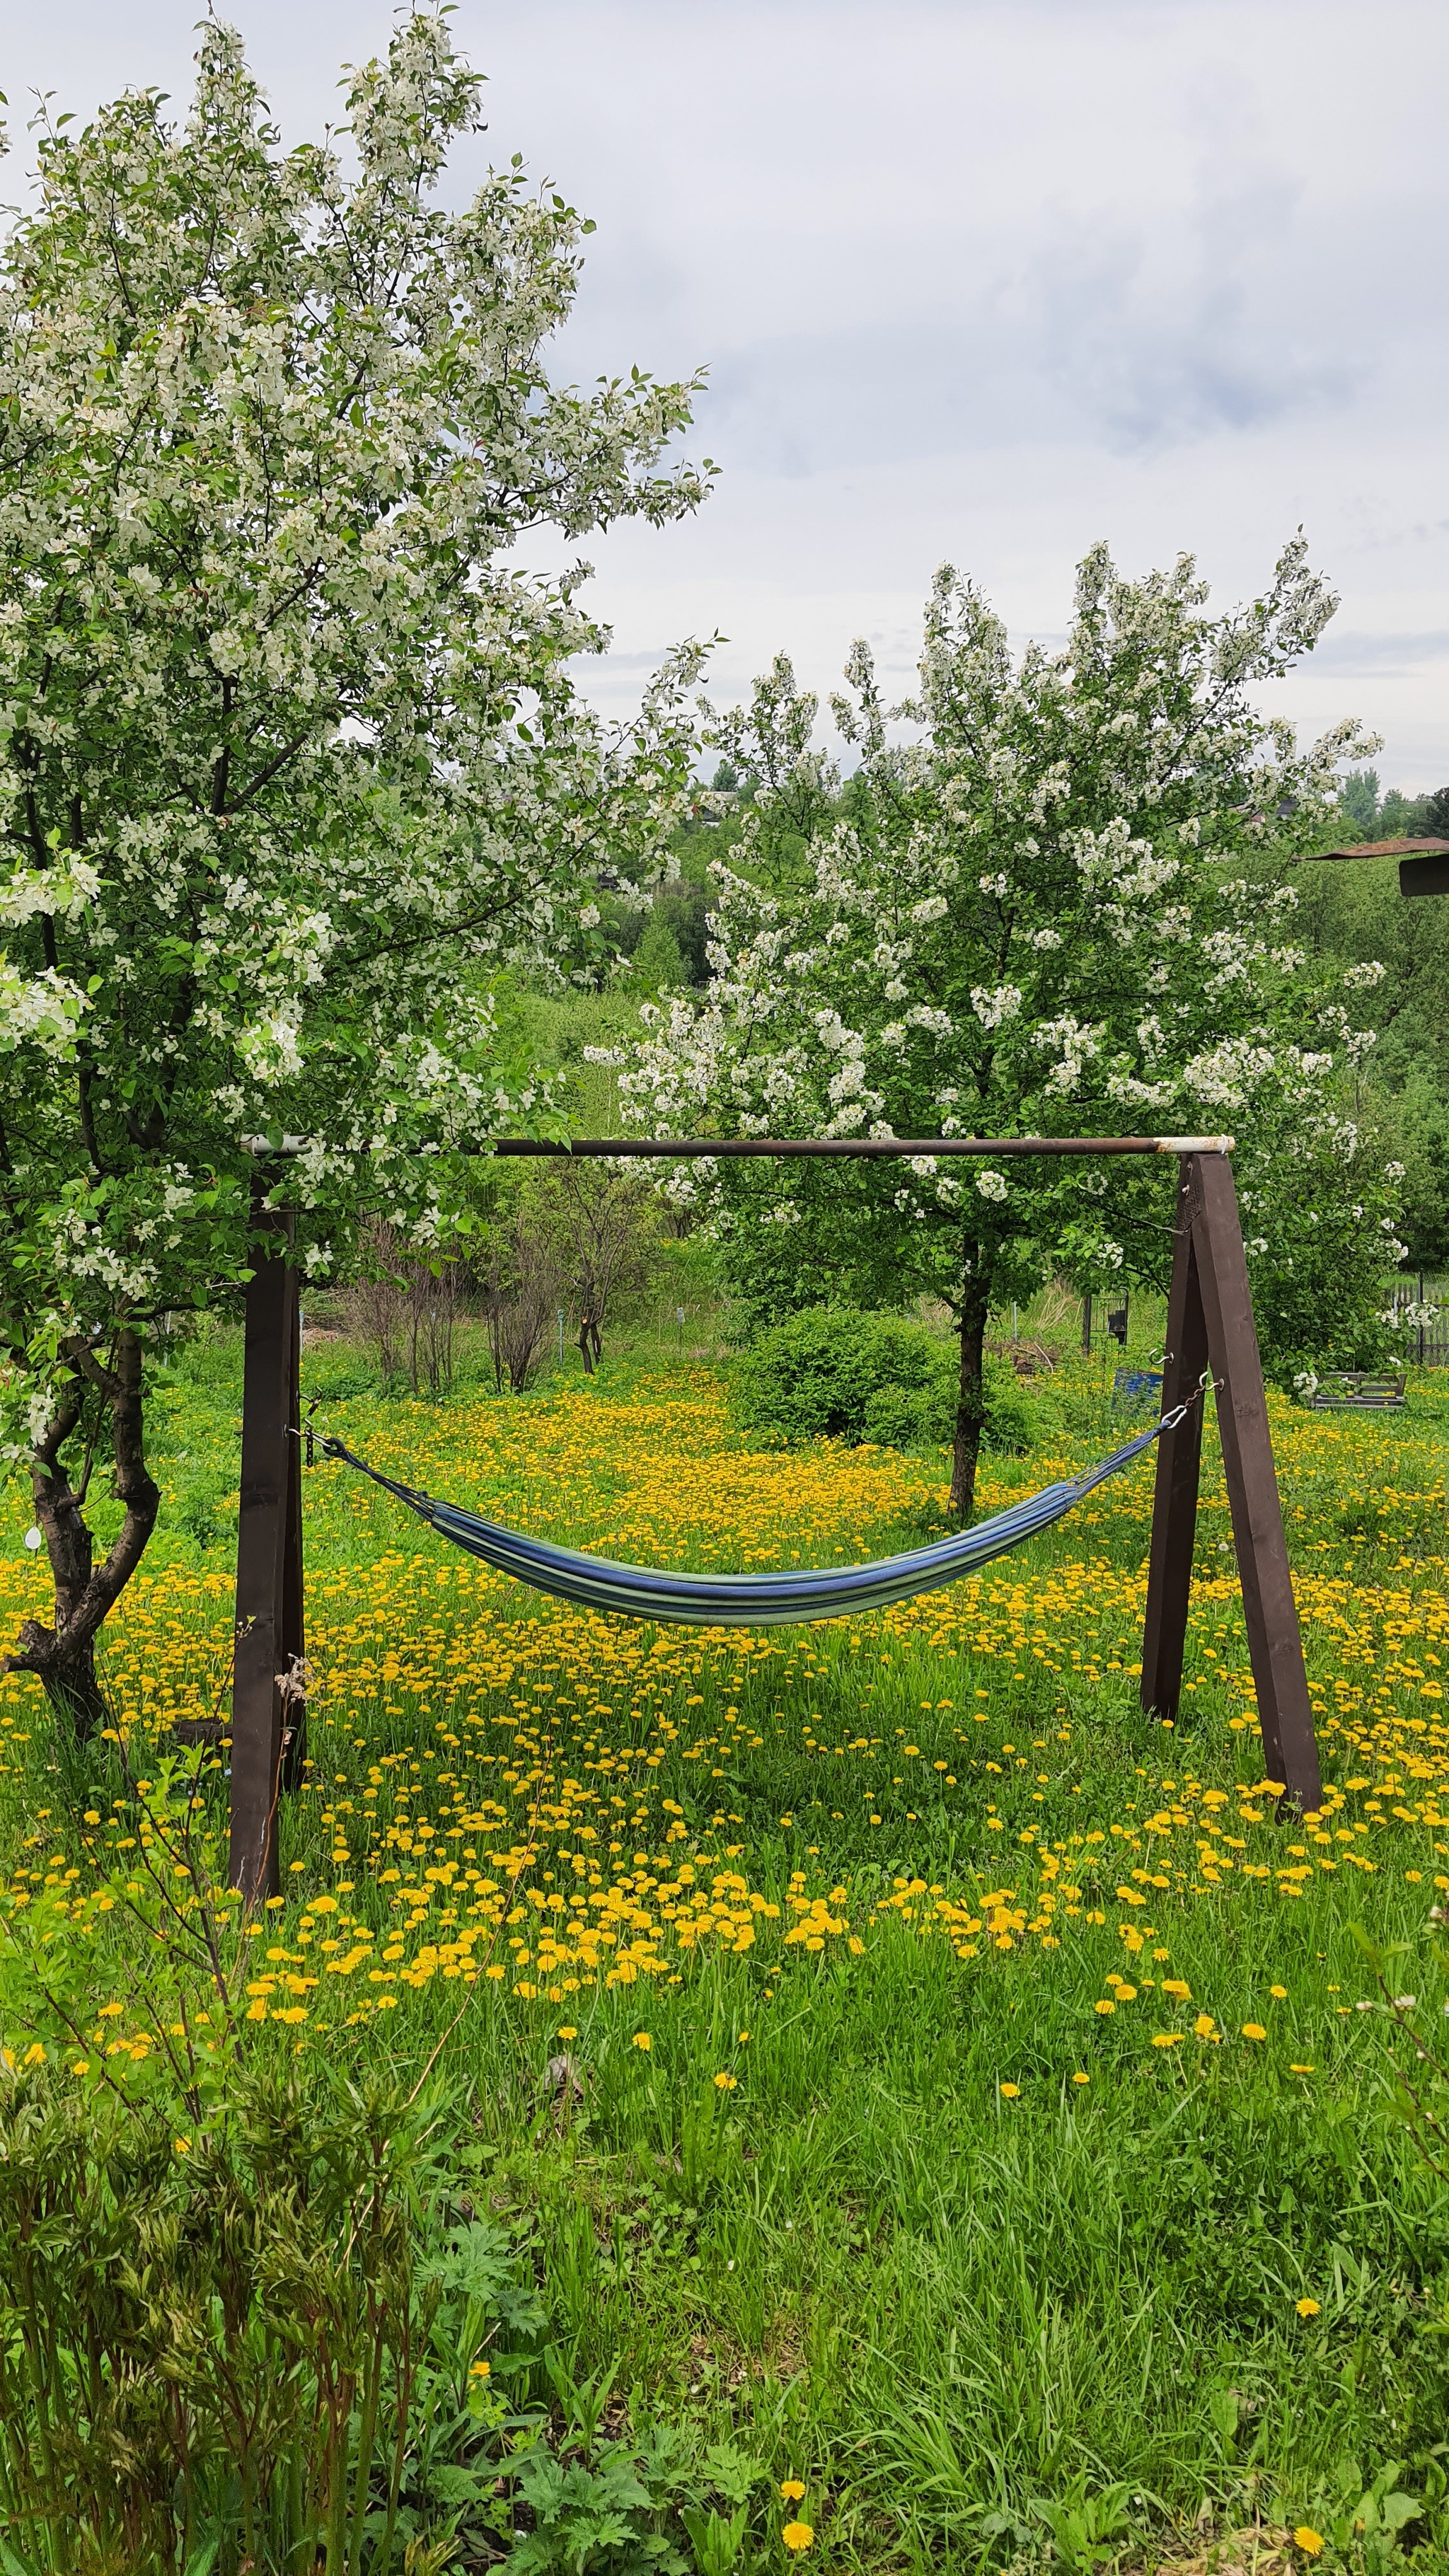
1135, 1386
753, 1600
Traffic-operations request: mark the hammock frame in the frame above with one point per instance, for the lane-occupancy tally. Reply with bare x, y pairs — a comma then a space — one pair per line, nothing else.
1211, 1335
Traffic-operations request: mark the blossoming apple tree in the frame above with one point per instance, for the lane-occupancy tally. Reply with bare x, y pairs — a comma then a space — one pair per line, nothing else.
1049, 910
290, 755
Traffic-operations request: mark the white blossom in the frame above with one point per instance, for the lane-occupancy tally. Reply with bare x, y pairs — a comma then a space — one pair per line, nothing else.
41, 1009
1126, 966
292, 764
995, 1006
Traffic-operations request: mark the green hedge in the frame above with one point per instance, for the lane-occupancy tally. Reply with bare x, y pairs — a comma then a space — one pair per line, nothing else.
833, 1372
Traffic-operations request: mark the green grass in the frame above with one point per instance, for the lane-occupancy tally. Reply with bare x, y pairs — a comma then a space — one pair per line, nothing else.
935, 2301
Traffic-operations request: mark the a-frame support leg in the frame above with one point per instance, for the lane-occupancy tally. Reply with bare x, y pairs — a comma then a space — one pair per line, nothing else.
1210, 1326
265, 1743
293, 1637
1179, 1460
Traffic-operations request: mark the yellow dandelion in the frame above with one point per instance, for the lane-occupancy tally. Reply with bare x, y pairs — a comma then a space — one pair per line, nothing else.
1308, 2540
792, 2489
797, 2536
566, 2030
1167, 2039
1307, 2307
642, 2039
1009, 2092
726, 2083
1254, 2030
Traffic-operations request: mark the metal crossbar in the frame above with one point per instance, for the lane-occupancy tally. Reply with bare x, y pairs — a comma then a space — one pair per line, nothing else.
835, 1148
858, 1148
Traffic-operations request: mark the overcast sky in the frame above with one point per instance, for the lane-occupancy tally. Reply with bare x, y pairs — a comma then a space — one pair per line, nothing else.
976, 283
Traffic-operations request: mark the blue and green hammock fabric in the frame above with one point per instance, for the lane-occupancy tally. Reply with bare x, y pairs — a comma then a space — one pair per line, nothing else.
753, 1600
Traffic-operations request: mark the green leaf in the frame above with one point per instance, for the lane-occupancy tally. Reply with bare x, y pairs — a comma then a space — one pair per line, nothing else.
1223, 2408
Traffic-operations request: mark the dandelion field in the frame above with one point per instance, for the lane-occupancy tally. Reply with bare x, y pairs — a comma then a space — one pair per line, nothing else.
894, 2050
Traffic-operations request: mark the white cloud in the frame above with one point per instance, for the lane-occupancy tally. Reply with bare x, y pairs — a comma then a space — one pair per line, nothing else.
975, 282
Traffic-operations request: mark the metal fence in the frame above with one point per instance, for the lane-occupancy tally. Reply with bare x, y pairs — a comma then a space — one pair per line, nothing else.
1426, 1299
1423, 1298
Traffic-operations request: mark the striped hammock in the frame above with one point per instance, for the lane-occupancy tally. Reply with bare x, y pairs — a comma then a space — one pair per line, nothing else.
753, 1600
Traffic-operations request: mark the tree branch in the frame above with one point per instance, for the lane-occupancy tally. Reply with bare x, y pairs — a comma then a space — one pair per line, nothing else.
85, 1593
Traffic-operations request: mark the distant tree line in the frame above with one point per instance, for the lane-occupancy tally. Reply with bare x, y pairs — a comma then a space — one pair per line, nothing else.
1375, 814
1355, 916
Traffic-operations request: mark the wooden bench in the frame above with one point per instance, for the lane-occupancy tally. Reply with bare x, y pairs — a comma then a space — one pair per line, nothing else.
1358, 1390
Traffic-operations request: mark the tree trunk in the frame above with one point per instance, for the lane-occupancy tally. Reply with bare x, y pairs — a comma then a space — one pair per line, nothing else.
971, 1395
590, 1341
63, 1656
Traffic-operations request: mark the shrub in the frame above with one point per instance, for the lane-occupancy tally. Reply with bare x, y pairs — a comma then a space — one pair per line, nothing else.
1012, 1423
833, 1372
279, 2343
244, 2346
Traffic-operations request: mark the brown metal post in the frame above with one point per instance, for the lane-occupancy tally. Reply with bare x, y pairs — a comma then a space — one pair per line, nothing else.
268, 1604
1275, 1643
1179, 1459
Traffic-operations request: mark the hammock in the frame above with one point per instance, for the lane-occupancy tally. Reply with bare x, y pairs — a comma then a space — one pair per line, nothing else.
752, 1600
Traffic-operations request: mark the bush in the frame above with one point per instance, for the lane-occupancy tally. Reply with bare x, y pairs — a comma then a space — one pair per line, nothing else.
279, 2343
833, 1372
1012, 1426
241, 2346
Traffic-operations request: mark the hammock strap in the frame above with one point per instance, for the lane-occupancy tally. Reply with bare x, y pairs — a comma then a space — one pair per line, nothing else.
413, 1495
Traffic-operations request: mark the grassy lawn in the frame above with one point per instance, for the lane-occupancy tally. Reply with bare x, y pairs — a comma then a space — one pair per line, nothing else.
889, 2047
